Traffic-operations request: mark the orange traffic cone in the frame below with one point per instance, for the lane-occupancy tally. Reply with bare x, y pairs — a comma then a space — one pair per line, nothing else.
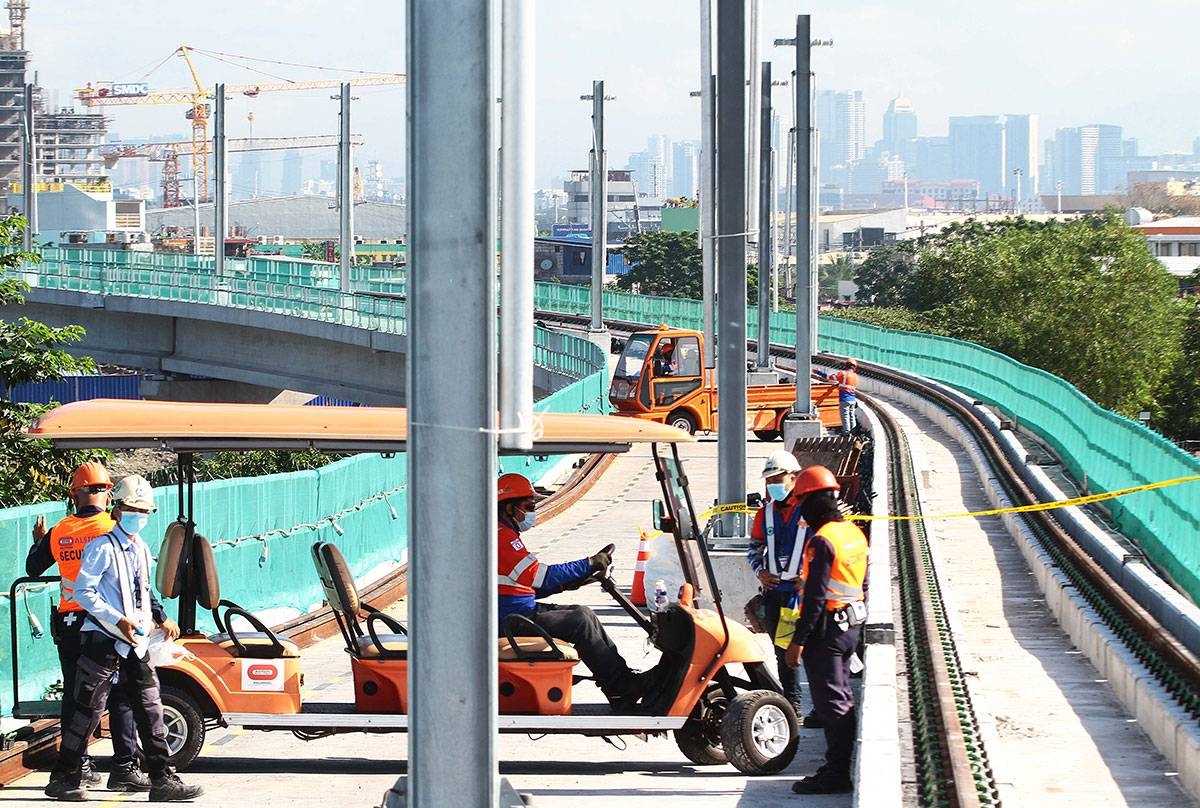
638, 592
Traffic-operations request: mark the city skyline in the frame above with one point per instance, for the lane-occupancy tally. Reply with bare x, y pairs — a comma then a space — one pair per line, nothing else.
946, 58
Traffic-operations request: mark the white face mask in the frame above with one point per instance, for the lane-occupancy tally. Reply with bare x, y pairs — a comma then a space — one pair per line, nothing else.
528, 522
133, 522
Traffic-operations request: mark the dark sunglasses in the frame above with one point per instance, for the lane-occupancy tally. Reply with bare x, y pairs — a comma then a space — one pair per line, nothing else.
94, 489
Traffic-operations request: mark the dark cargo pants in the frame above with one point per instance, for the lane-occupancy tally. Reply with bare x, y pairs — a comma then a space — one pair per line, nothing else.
789, 677
827, 663
98, 661
579, 626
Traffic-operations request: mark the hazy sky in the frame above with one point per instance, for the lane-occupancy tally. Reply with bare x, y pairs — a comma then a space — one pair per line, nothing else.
1070, 61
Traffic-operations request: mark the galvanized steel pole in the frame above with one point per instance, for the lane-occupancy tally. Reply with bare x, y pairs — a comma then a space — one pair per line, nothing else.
803, 185
220, 200
766, 244
517, 226
599, 198
708, 200
789, 172
345, 193
753, 163
731, 278
30, 173
451, 388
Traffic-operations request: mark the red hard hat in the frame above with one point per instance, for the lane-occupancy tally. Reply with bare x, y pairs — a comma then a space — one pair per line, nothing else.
90, 473
514, 486
667, 347
815, 478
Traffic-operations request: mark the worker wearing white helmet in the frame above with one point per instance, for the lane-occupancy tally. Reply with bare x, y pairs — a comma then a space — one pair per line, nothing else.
776, 541
113, 586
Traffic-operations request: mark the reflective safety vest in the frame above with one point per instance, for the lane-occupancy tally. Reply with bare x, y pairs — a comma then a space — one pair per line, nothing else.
847, 383
771, 557
67, 540
849, 563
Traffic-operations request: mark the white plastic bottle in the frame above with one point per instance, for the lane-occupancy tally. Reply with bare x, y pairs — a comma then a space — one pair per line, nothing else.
660, 596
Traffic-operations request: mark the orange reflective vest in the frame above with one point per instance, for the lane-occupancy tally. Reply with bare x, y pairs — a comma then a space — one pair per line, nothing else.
67, 540
849, 563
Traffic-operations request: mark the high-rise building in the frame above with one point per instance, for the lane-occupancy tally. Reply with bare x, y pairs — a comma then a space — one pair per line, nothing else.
685, 169
977, 151
293, 173
841, 127
899, 124
927, 158
1021, 154
1086, 160
651, 173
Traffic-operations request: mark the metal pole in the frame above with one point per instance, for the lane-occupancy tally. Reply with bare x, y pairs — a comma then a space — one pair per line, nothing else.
517, 226
345, 193
708, 199
731, 271
766, 246
220, 200
30, 174
789, 169
804, 237
452, 415
599, 192
753, 163
195, 214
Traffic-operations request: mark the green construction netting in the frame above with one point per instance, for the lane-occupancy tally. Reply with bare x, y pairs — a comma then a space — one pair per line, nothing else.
367, 495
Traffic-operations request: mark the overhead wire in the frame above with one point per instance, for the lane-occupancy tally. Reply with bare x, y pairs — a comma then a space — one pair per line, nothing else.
296, 64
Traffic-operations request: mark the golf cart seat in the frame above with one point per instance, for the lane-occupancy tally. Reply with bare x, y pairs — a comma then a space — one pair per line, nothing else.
378, 662
536, 671
262, 643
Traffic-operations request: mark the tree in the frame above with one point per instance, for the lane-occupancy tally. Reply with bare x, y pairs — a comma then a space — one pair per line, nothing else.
1181, 403
671, 264
1083, 299
30, 470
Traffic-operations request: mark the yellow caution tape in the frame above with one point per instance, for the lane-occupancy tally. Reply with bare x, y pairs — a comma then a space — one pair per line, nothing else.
1040, 506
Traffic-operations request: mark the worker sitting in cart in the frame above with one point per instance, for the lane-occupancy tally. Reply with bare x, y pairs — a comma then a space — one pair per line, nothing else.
664, 359
523, 579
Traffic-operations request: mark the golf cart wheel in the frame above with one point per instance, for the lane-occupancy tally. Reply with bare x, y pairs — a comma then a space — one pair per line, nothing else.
681, 419
760, 732
185, 726
767, 434
700, 738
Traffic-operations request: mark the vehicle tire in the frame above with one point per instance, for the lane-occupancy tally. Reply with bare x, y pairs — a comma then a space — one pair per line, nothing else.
760, 732
767, 434
682, 420
185, 726
700, 738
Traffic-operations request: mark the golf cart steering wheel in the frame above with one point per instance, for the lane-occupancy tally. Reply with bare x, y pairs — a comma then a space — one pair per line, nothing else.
600, 575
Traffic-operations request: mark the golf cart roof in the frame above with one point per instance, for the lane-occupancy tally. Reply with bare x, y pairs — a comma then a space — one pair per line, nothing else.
189, 427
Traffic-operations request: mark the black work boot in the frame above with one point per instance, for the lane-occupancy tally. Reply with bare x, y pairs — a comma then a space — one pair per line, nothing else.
825, 781
66, 787
128, 777
812, 721
90, 776
167, 787
626, 690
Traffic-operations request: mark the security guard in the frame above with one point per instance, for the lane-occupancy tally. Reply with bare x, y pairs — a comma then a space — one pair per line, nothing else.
776, 540
523, 579
846, 380
831, 615
63, 545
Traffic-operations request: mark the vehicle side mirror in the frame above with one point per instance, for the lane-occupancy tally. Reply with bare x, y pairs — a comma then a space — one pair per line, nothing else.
662, 521
754, 500
616, 345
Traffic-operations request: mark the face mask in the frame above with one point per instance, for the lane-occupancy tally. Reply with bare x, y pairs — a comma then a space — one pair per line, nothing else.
132, 522
528, 522
777, 491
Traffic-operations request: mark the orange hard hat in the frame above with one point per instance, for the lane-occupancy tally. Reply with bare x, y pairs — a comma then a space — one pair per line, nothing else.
815, 478
90, 473
514, 486
852, 363
667, 347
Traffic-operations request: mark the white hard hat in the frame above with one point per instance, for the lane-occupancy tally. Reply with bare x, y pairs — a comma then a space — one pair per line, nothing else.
781, 461
135, 492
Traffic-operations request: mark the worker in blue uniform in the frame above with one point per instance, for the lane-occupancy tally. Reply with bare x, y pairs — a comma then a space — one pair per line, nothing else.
832, 612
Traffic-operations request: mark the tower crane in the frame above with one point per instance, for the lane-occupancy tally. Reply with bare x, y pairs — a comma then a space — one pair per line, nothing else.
169, 153
106, 94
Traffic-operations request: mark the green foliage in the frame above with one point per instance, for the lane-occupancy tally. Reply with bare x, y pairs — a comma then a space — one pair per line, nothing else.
228, 465
897, 318
830, 272
670, 264
30, 471
1083, 299
1181, 403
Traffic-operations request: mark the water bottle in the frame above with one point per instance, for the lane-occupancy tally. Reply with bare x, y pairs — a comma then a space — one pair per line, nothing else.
660, 596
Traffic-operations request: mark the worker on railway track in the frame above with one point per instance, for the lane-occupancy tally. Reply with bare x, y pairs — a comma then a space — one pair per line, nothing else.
113, 587
63, 545
832, 612
523, 579
776, 540
846, 380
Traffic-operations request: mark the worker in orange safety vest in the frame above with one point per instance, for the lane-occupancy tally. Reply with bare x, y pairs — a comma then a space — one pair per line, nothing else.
846, 380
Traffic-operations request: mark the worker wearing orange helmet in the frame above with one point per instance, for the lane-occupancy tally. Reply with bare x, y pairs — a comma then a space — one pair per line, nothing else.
846, 380
832, 611
523, 579
63, 545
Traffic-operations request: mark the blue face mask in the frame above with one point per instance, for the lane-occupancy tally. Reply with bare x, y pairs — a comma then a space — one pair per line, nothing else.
132, 522
528, 522
777, 491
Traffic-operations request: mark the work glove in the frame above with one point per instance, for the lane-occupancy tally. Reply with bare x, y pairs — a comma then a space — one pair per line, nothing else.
602, 560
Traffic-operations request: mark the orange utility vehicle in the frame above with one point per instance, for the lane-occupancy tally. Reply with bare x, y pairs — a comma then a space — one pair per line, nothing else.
660, 376
713, 685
